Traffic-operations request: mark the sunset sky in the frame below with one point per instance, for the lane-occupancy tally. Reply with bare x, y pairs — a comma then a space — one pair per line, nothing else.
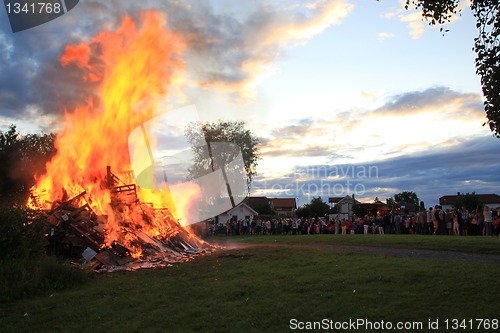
346, 97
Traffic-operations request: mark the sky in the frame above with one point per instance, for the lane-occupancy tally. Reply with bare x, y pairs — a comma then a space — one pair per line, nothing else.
346, 97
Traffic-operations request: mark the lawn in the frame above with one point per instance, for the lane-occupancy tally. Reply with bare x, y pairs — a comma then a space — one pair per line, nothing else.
470, 244
261, 289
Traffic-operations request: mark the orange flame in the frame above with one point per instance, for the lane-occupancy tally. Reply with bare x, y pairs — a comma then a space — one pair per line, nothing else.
134, 67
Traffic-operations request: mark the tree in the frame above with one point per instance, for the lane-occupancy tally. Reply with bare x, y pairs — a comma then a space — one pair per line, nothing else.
22, 157
264, 210
202, 134
358, 209
390, 203
303, 211
407, 197
318, 207
486, 46
469, 200
315, 208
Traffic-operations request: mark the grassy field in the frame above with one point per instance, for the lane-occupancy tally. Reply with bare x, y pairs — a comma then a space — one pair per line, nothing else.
470, 244
260, 289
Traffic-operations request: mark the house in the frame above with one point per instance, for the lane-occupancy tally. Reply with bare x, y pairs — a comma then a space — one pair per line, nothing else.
377, 207
241, 211
490, 200
284, 207
344, 205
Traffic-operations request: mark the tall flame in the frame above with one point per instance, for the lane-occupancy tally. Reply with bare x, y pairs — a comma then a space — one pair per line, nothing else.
134, 67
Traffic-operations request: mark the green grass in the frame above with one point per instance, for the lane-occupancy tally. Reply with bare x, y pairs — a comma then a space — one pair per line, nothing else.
470, 244
24, 277
259, 289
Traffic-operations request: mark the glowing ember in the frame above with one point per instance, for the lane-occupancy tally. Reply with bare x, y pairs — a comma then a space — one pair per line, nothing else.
134, 67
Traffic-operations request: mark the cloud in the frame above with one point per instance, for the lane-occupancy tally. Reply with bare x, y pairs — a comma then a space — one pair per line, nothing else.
385, 35
409, 122
432, 99
233, 56
228, 53
415, 121
303, 137
415, 24
31, 77
469, 166
445, 170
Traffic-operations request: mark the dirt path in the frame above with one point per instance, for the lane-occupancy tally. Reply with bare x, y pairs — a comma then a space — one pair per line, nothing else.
385, 251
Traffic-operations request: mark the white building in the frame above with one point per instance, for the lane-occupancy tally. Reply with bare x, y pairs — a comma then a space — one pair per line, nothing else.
241, 211
345, 205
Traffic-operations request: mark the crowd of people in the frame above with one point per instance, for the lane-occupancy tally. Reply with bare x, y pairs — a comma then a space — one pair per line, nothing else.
482, 221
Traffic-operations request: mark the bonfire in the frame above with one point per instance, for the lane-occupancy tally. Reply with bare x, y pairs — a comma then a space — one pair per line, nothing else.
95, 207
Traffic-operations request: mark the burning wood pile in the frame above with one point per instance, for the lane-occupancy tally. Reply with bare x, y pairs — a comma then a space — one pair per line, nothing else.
78, 232
109, 222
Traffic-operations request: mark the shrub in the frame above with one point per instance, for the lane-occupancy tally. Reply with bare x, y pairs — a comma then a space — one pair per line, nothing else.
25, 269
23, 277
21, 233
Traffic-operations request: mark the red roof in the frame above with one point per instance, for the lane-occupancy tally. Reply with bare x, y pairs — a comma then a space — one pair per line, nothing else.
284, 203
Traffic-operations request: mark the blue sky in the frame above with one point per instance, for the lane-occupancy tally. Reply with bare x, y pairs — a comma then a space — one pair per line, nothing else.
326, 85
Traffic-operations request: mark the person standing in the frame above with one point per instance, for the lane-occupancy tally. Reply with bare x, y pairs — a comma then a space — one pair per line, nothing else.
456, 224
430, 224
464, 226
496, 224
448, 219
480, 220
488, 220
258, 226
380, 223
295, 227
435, 220
441, 222
366, 224
474, 230
407, 224
387, 222
422, 221
397, 220
404, 224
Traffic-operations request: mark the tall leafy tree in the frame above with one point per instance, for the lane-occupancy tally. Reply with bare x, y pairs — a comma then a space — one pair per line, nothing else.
303, 211
407, 197
486, 46
199, 134
468, 200
316, 208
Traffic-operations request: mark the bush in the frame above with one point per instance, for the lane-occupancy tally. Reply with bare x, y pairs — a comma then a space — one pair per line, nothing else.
21, 233
24, 277
25, 269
